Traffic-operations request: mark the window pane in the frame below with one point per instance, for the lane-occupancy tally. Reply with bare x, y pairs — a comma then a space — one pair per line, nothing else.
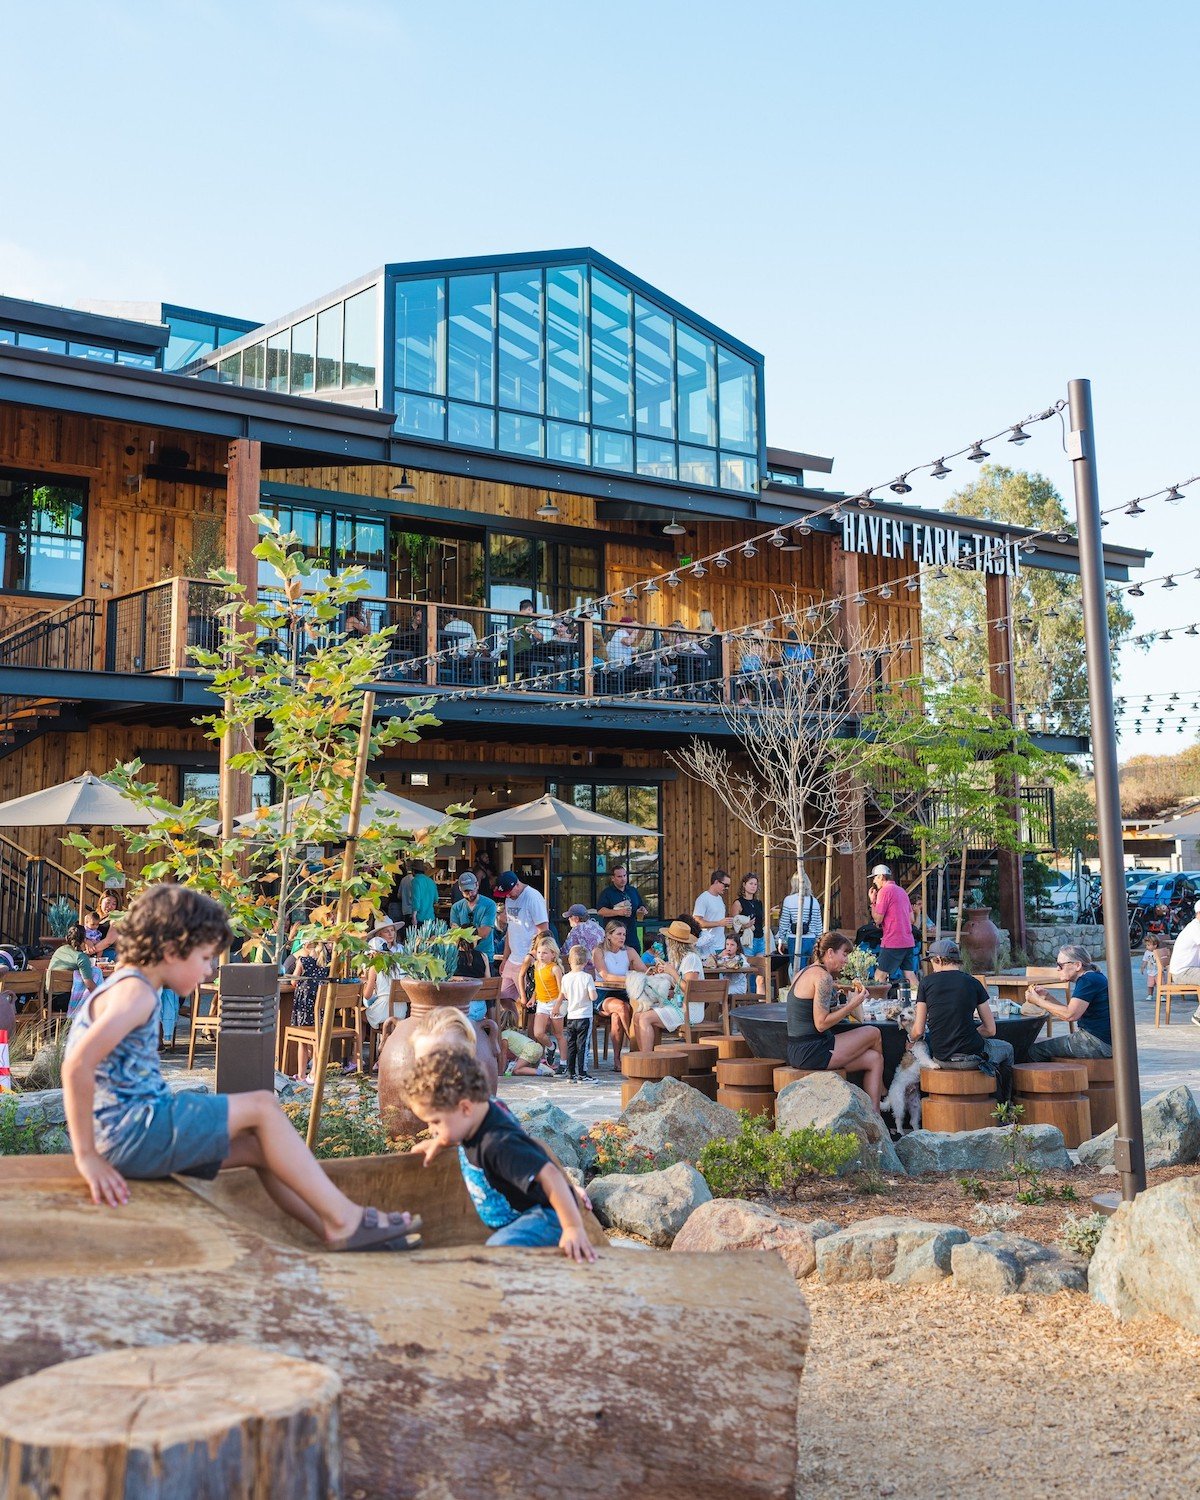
567, 443
472, 349
655, 371
696, 363
188, 341
566, 344
7, 336
655, 458
422, 416
510, 557
93, 351
520, 434
229, 371
738, 473
420, 335
277, 360
361, 332
738, 420
362, 544
41, 536
42, 342
253, 364
612, 450
227, 335
612, 341
473, 425
136, 361
329, 348
520, 342
304, 348
697, 465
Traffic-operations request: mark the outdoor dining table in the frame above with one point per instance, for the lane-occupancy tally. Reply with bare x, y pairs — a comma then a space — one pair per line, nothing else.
1012, 987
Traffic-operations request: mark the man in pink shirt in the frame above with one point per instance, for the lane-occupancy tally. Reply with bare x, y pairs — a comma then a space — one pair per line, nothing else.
894, 913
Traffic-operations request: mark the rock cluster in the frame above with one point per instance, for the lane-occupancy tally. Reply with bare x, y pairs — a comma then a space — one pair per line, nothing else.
734, 1224
980, 1150
1001, 1264
826, 1101
652, 1205
1148, 1258
1171, 1126
905, 1252
676, 1121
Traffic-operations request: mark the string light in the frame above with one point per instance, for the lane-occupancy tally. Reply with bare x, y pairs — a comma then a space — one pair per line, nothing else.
978, 452
939, 470
1019, 435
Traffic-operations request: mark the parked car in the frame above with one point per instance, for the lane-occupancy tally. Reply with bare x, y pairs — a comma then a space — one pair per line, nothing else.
1060, 897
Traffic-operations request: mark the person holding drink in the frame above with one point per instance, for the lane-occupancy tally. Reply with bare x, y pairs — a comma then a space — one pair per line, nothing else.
622, 902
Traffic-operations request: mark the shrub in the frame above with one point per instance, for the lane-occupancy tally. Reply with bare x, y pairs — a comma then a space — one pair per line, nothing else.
350, 1124
1081, 1236
18, 1140
609, 1147
995, 1215
760, 1160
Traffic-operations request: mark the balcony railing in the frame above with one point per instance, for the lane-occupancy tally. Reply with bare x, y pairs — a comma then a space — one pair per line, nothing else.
154, 628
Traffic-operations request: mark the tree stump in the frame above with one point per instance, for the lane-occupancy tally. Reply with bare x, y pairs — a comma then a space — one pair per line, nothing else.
171, 1422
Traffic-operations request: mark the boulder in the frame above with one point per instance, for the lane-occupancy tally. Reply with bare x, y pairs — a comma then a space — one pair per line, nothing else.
906, 1252
734, 1224
653, 1205
676, 1121
999, 1265
553, 1126
44, 1107
827, 1102
980, 1150
1148, 1256
1171, 1126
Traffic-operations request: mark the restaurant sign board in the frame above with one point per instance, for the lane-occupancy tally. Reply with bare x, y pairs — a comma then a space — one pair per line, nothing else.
930, 543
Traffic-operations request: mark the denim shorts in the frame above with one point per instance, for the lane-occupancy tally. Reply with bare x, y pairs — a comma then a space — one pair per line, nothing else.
758, 946
187, 1133
534, 1229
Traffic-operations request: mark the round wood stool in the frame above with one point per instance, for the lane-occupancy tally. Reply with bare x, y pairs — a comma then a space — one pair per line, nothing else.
1055, 1093
699, 1059
757, 1101
747, 1072
1101, 1092
729, 1046
955, 1099
650, 1066
174, 1420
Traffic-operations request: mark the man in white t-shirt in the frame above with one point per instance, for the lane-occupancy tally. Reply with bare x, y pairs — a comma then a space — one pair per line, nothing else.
1185, 957
710, 916
525, 909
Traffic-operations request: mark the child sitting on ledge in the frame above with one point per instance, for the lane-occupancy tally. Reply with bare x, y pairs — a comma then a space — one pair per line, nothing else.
125, 1122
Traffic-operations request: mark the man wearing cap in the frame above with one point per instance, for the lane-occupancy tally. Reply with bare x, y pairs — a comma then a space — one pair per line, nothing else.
477, 912
527, 919
893, 911
954, 1014
584, 933
1185, 957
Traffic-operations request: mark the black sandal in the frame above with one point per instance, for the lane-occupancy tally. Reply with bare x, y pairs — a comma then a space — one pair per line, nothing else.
378, 1231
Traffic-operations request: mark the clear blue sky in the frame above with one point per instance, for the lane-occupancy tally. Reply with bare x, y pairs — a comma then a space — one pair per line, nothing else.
927, 216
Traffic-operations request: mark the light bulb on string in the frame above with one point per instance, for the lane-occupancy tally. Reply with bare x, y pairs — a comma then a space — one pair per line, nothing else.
1134, 509
1191, 630
865, 501
939, 470
860, 600
672, 580
886, 591
1174, 495
720, 561
778, 539
1136, 592
802, 528
900, 485
1018, 434
911, 585
651, 587
978, 452
1169, 582
699, 571
749, 550
1028, 546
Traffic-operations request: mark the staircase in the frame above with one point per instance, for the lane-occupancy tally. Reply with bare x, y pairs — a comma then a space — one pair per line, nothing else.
29, 885
63, 639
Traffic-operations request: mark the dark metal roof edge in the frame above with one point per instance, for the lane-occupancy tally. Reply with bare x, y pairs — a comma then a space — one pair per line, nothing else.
789, 458
86, 325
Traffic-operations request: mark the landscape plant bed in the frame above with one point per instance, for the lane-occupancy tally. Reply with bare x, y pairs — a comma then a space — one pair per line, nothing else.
940, 1199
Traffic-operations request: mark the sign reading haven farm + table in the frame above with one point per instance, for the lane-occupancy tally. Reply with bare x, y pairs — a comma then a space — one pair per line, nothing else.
937, 545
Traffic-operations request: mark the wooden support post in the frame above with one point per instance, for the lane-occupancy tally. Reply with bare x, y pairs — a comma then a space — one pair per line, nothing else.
324, 1036
177, 656
962, 887
828, 880
1002, 685
852, 872
726, 670
588, 656
431, 638
765, 893
241, 537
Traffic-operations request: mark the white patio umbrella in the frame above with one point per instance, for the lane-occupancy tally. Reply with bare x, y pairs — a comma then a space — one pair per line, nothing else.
83, 802
410, 816
548, 818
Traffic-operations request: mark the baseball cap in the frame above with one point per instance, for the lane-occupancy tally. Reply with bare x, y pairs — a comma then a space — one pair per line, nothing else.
881, 870
948, 949
507, 881
468, 882
578, 910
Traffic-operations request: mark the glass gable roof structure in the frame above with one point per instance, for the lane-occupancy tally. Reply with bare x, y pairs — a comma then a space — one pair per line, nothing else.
561, 358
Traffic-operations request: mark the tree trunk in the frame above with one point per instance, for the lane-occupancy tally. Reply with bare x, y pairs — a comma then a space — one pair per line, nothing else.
962, 888
173, 1421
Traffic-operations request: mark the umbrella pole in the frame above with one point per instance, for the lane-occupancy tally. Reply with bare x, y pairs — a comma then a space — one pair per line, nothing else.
82, 882
766, 900
343, 913
828, 876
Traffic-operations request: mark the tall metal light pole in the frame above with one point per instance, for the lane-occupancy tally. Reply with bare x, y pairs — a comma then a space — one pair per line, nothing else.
1130, 1151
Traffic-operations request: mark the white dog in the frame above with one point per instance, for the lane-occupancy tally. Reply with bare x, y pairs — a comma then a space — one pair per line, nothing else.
903, 1097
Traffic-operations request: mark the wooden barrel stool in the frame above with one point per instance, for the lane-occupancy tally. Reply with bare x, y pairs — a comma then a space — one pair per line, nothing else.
171, 1421
748, 1083
954, 1099
783, 1076
1055, 1093
1101, 1092
729, 1046
700, 1061
647, 1067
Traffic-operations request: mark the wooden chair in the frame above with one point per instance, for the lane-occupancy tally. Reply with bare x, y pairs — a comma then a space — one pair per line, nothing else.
709, 993
345, 995
1164, 989
206, 1023
489, 990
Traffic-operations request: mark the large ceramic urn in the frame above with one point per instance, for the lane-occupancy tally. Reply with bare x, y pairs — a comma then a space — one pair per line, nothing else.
980, 939
425, 995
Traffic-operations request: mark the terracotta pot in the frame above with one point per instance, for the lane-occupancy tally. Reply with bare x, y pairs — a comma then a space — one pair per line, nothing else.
980, 939
425, 995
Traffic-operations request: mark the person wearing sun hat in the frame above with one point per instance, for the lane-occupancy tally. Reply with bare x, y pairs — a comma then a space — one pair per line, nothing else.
682, 963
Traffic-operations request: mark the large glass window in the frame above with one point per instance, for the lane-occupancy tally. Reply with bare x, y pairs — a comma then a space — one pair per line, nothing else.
696, 365
189, 340
358, 363
566, 344
520, 372
205, 786
421, 416
473, 425
654, 347
254, 365
655, 459
521, 434
735, 378
555, 576
612, 353
612, 450
363, 544
304, 352
567, 443
41, 535
277, 361
584, 866
329, 348
472, 338
420, 336
229, 371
